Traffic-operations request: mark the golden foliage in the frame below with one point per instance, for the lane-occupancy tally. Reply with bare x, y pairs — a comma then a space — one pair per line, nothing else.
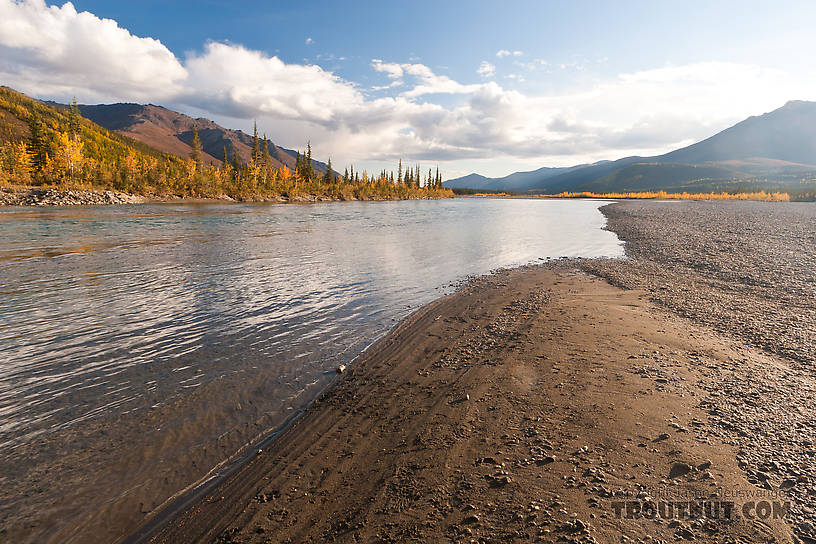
663, 195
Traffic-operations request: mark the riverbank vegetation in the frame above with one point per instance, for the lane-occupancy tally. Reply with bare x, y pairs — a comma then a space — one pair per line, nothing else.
48, 146
663, 195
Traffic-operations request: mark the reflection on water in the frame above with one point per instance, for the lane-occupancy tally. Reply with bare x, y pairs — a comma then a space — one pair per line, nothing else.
112, 311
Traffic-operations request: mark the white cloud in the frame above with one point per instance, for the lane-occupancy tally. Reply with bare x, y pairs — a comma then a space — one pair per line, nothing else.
309, 41
60, 52
427, 82
507, 53
392, 70
486, 69
232, 80
55, 52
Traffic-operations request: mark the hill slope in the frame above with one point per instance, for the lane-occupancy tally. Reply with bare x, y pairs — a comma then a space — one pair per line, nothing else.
172, 132
45, 144
776, 150
786, 134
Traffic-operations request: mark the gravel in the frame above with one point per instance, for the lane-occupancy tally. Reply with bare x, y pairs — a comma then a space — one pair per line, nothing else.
747, 269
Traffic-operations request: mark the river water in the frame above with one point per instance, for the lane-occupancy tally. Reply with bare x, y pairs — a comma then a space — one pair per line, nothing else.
142, 345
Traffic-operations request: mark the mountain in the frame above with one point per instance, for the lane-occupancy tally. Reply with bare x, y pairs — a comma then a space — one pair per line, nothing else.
172, 132
471, 181
43, 143
516, 182
786, 134
776, 150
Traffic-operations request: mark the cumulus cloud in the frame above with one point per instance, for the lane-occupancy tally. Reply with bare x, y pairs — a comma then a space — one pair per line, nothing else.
309, 41
486, 69
60, 52
235, 81
55, 52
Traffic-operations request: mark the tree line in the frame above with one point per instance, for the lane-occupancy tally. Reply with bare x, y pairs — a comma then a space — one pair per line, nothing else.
42, 145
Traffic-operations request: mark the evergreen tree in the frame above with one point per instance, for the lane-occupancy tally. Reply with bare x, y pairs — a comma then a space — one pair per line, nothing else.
256, 148
236, 160
195, 154
309, 165
399, 172
73, 119
225, 160
39, 144
328, 177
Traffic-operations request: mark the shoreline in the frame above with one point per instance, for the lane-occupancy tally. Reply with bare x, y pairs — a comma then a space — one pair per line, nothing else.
181, 501
246, 506
50, 197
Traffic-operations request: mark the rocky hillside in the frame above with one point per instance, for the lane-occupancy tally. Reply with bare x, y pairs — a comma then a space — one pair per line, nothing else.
172, 132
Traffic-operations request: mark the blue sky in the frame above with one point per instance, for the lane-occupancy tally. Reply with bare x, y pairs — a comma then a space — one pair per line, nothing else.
472, 86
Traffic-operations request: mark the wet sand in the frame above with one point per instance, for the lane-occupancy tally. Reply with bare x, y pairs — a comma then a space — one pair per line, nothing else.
525, 407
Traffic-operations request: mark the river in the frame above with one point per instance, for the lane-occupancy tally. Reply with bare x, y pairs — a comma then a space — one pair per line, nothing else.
142, 345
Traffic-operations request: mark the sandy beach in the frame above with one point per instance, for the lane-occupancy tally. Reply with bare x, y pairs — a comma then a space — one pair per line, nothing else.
525, 407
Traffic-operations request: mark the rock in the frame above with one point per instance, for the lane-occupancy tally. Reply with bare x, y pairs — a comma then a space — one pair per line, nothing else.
498, 480
680, 469
705, 465
787, 483
488, 461
473, 518
545, 460
685, 532
664, 436
340, 369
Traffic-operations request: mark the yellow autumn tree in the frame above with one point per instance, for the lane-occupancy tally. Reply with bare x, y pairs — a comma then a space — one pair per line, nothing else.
69, 153
24, 161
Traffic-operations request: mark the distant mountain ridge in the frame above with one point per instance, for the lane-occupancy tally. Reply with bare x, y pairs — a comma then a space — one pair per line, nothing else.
172, 132
776, 150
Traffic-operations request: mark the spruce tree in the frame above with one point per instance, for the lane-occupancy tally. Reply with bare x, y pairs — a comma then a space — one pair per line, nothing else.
225, 160
73, 119
309, 164
236, 160
195, 154
399, 172
256, 148
39, 144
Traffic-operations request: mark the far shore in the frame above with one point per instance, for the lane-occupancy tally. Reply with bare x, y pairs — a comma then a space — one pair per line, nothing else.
45, 196
49, 196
